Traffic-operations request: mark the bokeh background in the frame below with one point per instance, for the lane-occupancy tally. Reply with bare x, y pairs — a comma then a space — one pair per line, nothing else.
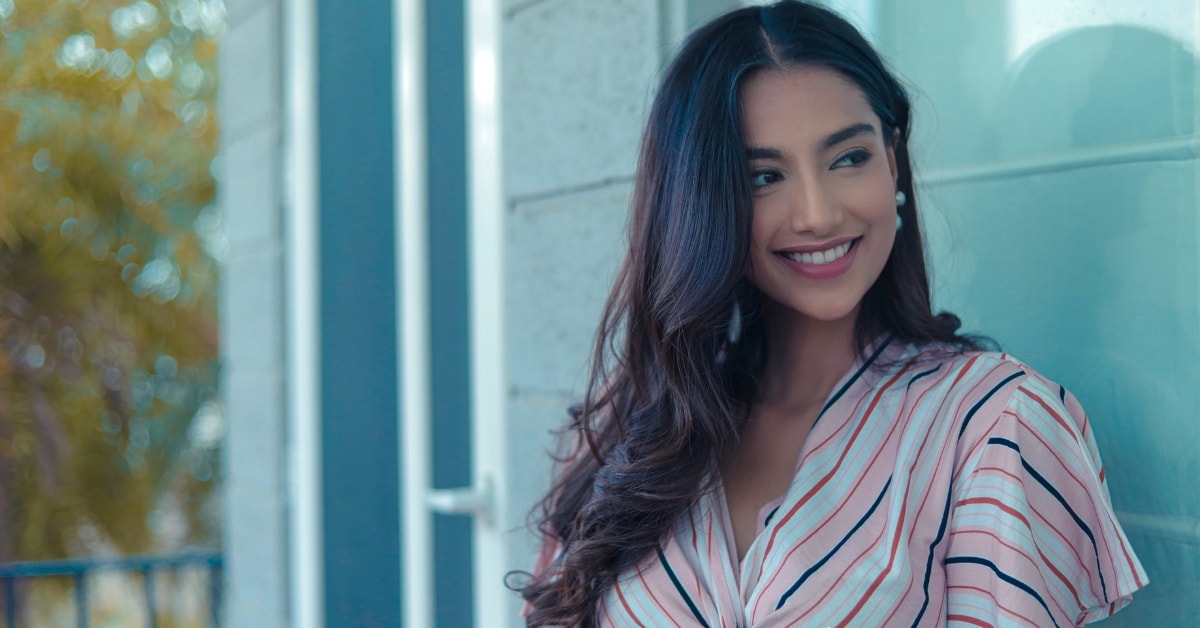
293, 292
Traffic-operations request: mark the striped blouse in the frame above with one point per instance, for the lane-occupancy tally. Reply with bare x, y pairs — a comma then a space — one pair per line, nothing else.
935, 488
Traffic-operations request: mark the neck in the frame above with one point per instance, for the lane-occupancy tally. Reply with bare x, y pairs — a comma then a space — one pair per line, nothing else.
805, 358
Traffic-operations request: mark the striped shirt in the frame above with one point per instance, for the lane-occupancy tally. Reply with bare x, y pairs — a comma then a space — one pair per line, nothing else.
935, 488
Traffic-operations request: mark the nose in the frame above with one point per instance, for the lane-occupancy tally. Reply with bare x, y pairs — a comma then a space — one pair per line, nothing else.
814, 210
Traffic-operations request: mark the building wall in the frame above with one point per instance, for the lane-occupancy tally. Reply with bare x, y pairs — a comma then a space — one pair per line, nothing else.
577, 82
575, 89
250, 193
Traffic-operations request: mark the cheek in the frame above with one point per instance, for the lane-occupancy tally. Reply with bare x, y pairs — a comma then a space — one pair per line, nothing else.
876, 201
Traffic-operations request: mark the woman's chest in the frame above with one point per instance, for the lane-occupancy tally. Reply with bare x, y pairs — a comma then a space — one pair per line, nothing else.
855, 536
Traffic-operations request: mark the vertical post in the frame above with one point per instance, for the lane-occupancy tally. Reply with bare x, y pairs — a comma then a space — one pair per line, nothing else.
10, 601
361, 466
151, 601
304, 337
214, 593
82, 617
486, 233
412, 228
305, 534
448, 302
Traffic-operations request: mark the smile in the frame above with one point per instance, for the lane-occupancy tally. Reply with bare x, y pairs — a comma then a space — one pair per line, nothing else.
818, 258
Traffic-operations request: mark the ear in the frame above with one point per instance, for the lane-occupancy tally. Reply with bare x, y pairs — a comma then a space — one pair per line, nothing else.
891, 155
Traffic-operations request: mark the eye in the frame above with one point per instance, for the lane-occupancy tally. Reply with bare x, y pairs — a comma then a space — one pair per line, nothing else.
856, 157
763, 178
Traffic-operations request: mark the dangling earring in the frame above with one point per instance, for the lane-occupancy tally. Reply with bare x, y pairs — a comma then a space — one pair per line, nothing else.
735, 323
901, 199
899, 222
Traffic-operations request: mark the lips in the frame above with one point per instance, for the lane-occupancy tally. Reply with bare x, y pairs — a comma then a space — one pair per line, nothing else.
823, 261
827, 256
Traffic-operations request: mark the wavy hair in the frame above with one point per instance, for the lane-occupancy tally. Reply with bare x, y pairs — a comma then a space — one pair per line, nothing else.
669, 392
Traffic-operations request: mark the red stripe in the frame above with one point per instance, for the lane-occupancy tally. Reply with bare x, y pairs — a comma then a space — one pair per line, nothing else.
991, 594
968, 619
882, 574
862, 476
695, 546
845, 451
1054, 452
628, 610
1133, 570
650, 591
991, 501
1001, 471
1051, 411
1045, 561
842, 576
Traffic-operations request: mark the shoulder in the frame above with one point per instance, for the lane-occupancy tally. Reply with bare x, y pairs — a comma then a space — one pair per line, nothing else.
1003, 395
1029, 513
972, 397
989, 380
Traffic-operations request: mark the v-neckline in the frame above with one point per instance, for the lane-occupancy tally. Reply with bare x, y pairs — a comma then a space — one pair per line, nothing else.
766, 511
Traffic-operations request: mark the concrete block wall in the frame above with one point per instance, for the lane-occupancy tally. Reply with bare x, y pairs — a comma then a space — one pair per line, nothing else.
250, 194
576, 85
578, 77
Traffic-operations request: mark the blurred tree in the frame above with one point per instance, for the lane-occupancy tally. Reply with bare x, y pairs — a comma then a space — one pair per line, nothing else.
109, 425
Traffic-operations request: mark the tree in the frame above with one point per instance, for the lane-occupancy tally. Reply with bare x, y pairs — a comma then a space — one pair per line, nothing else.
109, 248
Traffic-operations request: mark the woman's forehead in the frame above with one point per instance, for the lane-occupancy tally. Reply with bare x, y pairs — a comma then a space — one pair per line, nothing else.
809, 101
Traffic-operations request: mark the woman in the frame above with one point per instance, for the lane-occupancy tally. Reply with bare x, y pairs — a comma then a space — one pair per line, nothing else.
779, 430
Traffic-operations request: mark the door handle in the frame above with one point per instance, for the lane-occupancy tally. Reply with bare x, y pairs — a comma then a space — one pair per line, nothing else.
476, 500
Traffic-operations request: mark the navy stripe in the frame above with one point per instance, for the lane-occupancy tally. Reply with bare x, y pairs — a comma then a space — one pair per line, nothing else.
1062, 394
1058, 496
923, 374
770, 514
929, 562
853, 378
679, 587
825, 559
975, 560
975, 408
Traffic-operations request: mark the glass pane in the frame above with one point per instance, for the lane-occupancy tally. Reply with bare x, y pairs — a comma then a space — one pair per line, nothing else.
1057, 152
110, 426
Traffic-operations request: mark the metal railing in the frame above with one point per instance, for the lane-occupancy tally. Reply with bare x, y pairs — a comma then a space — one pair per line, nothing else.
79, 570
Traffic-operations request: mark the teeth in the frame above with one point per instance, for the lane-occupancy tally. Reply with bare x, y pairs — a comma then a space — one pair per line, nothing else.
820, 257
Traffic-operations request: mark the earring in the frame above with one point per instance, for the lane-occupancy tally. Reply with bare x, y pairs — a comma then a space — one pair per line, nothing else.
899, 222
735, 323
901, 199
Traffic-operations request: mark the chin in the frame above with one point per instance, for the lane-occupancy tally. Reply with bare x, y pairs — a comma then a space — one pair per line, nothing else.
825, 313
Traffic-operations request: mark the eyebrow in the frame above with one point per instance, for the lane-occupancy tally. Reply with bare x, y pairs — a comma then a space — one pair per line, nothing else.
835, 138
851, 131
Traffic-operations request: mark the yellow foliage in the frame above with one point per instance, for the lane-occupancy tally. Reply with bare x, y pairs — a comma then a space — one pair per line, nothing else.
108, 334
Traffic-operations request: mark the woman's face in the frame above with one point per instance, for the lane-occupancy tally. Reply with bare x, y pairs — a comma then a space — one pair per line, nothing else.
824, 181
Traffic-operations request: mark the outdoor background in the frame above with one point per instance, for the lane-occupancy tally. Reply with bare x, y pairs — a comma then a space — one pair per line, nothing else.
272, 270
110, 418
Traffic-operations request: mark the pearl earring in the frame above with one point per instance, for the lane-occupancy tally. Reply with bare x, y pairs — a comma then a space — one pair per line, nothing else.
899, 222
901, 199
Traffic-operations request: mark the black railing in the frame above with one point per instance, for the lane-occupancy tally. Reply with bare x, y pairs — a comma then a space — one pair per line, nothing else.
79, 570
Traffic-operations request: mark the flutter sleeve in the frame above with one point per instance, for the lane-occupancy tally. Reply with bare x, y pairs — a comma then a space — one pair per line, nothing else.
1033, 540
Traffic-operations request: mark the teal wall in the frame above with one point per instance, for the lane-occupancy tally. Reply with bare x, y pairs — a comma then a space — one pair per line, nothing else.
1057, 146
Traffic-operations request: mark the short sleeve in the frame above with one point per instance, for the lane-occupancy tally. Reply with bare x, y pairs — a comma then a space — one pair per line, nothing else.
1032, 537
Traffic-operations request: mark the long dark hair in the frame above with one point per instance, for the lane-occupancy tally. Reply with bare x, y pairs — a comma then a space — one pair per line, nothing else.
669, 392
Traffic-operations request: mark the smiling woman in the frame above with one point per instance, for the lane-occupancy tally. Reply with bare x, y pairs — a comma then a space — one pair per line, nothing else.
784, 431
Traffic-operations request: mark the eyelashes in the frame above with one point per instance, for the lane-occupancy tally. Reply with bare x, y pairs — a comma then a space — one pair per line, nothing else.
765, 177
856, 157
